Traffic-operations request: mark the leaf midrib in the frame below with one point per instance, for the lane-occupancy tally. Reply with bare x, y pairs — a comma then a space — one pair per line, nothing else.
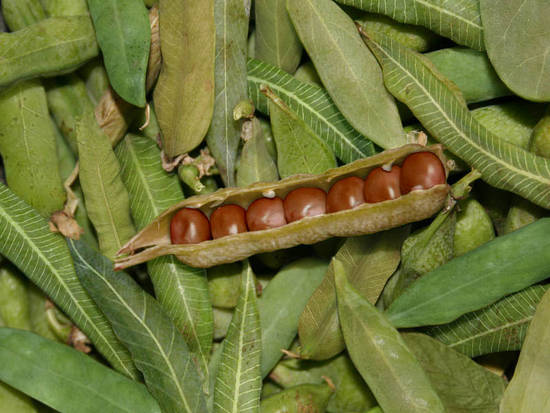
488, 154
144, 325
52, 269
152, 205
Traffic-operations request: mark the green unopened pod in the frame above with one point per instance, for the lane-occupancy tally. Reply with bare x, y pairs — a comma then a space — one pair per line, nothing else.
14, 300
22, 13
473, 227
363, 219
540, 140
312, 398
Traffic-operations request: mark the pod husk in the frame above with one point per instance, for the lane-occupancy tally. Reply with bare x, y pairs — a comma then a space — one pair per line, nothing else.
365, 219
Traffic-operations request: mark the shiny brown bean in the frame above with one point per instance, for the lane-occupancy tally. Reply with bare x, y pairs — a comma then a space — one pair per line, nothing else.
421, 170
305, 202
228, 220
347, 193
382, 185
265, 213
189, 226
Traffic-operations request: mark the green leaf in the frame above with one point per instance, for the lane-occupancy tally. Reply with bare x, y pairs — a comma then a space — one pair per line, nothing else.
369, 260
499, 327
255, 163
185, 113
500, 267
528, 389
276, 40
377, 350
517, 44
238, 382
66, 379
124, 36
105, 195
280, 306
313, 105
157, 348
348, 70
181, 290
50, 47
471, 71
458, 20
26, 240
299, 150
27, 139
413, 79
463, 385
351, 395
223, 137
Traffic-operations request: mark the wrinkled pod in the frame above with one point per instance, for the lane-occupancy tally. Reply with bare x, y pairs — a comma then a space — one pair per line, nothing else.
386, 190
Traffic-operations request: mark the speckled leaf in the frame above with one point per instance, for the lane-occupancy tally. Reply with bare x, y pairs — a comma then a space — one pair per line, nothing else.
157, 348
181, 290
413, 80
516, 35
458, 20
123, 33
499, 327
238, 381
104, 193
377, 350
313, 105
348, 70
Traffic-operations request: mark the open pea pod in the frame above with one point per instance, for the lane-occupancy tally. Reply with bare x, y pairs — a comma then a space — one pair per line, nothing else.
364, 219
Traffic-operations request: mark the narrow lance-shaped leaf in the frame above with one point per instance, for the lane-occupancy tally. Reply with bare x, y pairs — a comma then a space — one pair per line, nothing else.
124, 36
66, 379
412, 79
458, 20
106, 197
26, 240
188, 40
516, 35
369, 260
528, 389
280, 307
499, 327
157, 348
276, 40
238, 382
462, 384
389, 368
313, 105
223, 137
348, 70
181, 290
299, 150
500, 267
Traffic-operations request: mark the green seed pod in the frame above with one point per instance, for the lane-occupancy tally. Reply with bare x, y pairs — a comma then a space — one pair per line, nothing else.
540, 140
222, 319
307, 73
522, 213
14, 301
22, 13
415, 37
364, 219
303, 398
224, 285
473, 227
52, 47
